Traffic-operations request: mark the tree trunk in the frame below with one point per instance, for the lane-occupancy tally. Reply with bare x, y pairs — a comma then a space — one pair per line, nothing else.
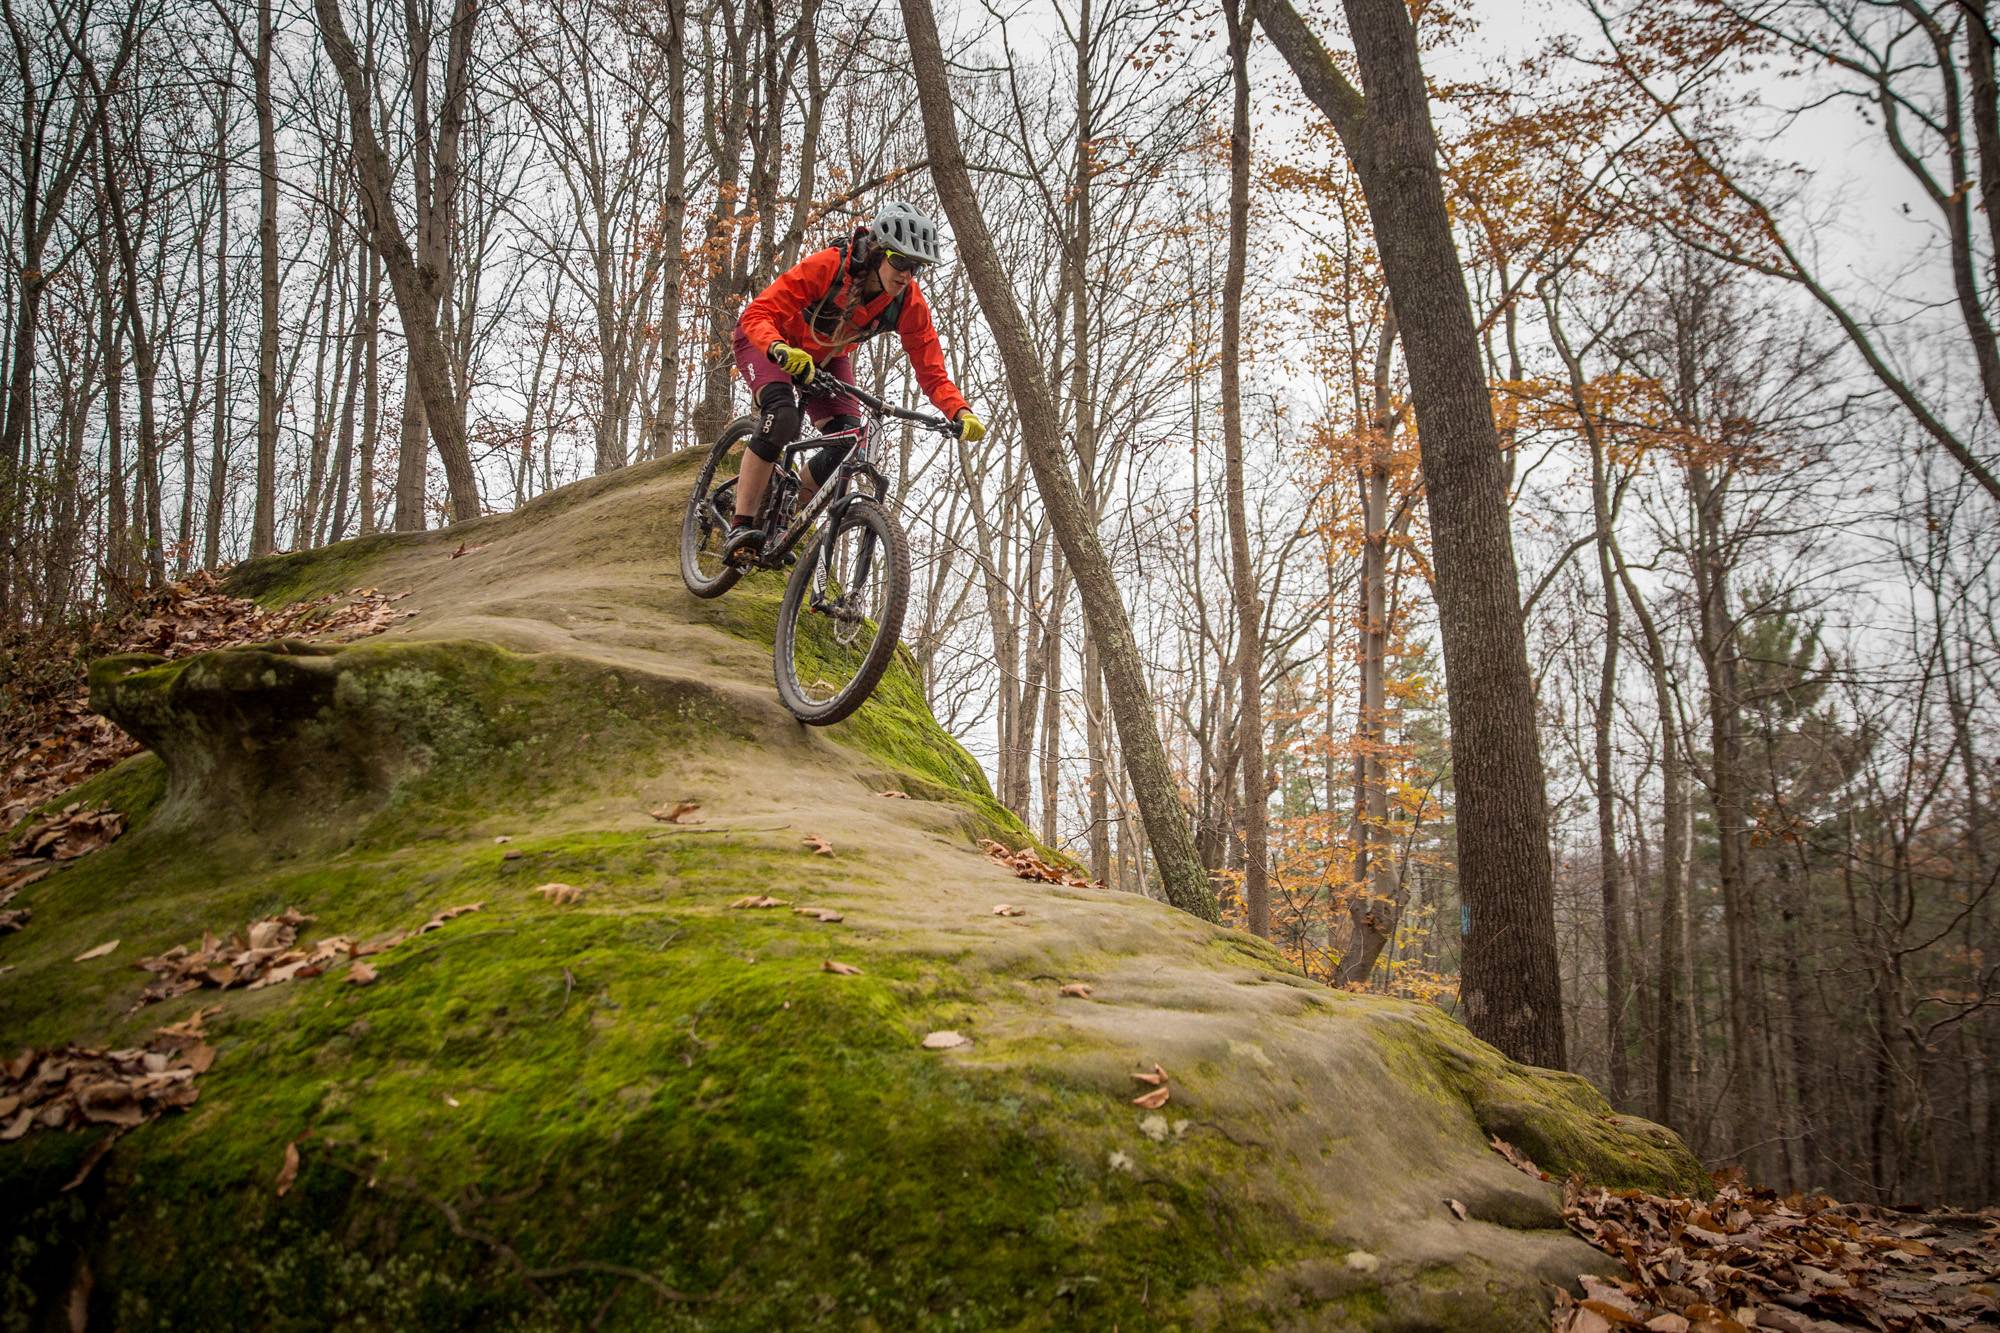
1719, 652
1373, 881
1673, 1068
1511, 984
371, 396
673, 218
218, 454
1249, 607
417, 287
1154, 788
264, 526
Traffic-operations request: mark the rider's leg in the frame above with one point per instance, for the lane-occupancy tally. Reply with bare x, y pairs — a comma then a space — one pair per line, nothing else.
824, 461
831, 415
777, 426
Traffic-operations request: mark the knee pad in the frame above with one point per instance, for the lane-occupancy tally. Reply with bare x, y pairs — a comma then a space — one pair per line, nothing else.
827, 459
777, 422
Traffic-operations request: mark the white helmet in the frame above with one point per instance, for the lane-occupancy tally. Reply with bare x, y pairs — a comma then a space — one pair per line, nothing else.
902, 228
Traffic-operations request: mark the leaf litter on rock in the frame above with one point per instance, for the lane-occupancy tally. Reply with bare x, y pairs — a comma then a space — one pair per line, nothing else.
682, 813
841, 969
1008, 909
1076, 990
74, 1087
756, 900
265, 953
1027, 864
820, 846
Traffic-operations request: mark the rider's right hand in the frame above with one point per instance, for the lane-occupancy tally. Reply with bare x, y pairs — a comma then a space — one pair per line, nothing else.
797, 364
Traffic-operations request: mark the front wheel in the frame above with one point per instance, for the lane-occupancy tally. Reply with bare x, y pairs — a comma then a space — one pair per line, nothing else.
710, 509
842, 613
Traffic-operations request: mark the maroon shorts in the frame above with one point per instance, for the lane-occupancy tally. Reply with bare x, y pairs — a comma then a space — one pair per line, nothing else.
760, 370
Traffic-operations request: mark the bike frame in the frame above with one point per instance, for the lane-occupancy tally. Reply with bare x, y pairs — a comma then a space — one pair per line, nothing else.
858, 463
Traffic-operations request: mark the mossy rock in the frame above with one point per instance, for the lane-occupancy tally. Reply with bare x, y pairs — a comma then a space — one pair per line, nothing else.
650, 1110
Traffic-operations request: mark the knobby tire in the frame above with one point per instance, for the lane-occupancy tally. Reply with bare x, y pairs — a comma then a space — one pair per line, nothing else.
698, 582
891, 551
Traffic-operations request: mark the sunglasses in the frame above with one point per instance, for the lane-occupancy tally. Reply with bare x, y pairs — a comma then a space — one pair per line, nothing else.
903, 263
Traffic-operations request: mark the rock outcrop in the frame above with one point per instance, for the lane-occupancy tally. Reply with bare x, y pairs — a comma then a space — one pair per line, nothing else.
637, 1105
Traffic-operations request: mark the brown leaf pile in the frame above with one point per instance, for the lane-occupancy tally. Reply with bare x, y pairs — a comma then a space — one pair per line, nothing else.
62, 837
264, 953
1028, 865
1748, 1259
72, 1087
49, 738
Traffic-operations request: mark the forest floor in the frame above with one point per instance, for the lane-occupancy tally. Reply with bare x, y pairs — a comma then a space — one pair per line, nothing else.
1752, 1259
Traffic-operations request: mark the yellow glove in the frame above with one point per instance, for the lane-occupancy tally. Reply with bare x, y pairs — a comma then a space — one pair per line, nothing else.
970, 428
797, 364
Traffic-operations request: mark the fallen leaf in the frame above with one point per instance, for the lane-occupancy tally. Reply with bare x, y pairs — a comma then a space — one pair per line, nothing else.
895, 795
1158, 1078
191, 1027
446, 915
503, 838
945, 1040
820, 846
1458, 1210
560, 893
1076, 990
843, 969
200, 1057
759, 900
360, 974
289, 1172
1154, 1100
1516, 1156
818, 913
98, 952
451, 1101
1008, 909
679, 814
512, 854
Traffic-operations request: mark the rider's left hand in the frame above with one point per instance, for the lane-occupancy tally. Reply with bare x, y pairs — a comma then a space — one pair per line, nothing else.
970, 428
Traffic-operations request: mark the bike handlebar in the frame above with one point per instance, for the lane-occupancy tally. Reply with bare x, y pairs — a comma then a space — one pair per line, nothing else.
828, 385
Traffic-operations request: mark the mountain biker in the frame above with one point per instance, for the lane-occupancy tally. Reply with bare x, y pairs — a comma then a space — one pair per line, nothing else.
807, 321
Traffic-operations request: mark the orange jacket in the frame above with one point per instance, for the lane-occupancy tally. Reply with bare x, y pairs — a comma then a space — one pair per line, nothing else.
785, 312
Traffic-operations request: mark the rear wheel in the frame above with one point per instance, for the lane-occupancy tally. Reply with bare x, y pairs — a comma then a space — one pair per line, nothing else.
710, 510
842, 613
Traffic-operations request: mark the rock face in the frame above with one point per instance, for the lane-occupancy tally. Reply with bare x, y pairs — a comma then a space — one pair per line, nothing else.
641, 1106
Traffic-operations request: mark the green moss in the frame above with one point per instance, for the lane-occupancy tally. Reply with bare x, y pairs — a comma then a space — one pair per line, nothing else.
1560, 1120
650, 1080
279, 580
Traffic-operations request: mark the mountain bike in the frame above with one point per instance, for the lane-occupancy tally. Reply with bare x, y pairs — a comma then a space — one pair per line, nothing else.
843, 607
